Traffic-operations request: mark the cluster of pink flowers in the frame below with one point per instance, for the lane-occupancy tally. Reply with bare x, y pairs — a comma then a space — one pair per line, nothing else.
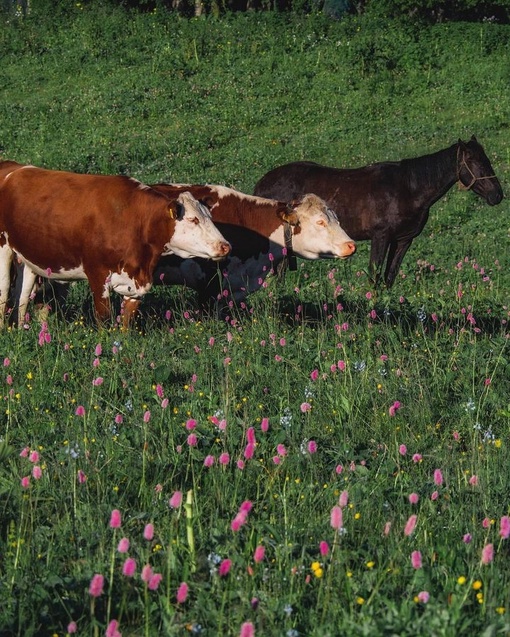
34, 458
241, 516
44, 334
150, 578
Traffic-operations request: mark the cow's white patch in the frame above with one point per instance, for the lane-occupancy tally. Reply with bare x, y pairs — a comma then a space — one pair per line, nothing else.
125, 285
60, 274
14, 170
5, 278
225, 191
195, 234
320, 234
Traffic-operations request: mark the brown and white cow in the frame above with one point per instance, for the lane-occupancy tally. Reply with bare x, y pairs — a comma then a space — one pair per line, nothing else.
110, 230
262, 233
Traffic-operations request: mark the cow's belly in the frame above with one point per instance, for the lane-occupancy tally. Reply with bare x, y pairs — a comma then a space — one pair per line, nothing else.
61, 274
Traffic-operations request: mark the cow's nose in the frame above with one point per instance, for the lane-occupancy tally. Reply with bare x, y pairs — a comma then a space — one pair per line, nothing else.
224, 248
350, 247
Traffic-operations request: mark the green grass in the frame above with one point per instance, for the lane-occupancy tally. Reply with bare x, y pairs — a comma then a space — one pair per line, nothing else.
320, 355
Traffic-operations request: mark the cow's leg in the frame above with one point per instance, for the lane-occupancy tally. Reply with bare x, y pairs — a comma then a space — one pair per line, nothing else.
28, 282
378, 250
5, 279
100, 289
129, 307
396, 255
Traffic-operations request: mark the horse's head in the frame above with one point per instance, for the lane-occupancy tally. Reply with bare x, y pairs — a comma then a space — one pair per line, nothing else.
475, 172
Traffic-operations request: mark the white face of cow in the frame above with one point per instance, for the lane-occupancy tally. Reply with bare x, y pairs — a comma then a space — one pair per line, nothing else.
195, 233
318, 233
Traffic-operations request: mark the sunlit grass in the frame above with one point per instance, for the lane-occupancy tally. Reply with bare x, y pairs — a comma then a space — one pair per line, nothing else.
394, 411
330, 460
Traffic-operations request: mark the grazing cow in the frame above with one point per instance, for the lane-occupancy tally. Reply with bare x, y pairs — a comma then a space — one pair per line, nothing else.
262, 232
387, 202
110, 230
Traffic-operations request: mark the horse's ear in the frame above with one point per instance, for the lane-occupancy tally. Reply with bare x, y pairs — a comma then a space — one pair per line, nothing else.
461, 144
473, 138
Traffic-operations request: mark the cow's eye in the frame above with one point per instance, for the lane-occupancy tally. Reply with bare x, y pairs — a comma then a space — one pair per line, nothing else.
193, 220
321, 222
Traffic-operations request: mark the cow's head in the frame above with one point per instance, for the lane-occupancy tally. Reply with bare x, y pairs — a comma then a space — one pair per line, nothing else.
316, 231
195, 234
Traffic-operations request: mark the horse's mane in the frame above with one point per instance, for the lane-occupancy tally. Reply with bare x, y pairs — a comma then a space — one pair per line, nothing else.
432, 169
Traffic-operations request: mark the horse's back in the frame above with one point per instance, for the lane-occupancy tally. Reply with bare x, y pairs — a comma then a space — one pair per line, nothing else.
337, 186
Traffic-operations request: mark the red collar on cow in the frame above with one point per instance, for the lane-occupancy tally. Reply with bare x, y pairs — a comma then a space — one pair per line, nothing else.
290, 256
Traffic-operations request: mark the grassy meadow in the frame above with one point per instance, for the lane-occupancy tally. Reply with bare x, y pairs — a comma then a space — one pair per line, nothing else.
333, 460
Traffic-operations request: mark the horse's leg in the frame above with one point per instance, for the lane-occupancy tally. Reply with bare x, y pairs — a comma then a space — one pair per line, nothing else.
396, 255
378, 250
5, 279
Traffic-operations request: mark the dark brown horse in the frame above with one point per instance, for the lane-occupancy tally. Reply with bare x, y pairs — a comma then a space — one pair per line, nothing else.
387, 202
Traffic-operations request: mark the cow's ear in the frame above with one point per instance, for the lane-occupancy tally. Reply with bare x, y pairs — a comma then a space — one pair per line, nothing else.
208, 201
288, 213
172, 209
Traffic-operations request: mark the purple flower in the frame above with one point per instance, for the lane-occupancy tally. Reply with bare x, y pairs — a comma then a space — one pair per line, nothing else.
487, 554
410, 525
416, 559
146, 573
336, 518
392, 411
129, 567
111, 630
209, 461
96, 585
438, 477
115, 519
247, 630
176, 500
154, 581
504, 527
224, 567
182, 593
123, 546
423, 597
259, 554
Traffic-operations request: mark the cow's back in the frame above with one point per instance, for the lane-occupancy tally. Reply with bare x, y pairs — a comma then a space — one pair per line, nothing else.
55, 217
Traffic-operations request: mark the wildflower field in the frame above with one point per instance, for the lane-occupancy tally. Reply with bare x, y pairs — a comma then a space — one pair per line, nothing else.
330, 460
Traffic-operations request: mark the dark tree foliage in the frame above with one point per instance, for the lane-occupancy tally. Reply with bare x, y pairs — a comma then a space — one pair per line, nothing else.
429, 11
